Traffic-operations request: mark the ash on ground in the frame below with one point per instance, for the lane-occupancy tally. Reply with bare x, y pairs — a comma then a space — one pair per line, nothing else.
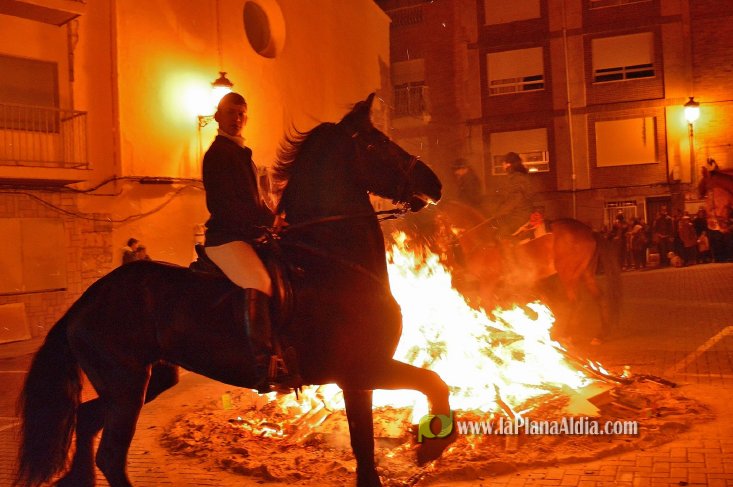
260, 438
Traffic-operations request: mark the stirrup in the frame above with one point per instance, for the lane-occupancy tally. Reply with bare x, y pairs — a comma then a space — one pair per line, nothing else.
283, 375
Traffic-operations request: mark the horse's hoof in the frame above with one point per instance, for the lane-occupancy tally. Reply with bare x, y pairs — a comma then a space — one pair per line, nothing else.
69, 482
431, 449
370, 478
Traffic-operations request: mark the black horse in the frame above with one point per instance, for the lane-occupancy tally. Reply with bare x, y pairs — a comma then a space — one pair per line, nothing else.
345, 325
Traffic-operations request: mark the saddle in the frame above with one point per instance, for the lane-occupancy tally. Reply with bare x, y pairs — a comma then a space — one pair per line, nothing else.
284, 361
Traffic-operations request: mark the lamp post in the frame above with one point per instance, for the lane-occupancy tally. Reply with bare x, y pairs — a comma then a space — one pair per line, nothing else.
692, 113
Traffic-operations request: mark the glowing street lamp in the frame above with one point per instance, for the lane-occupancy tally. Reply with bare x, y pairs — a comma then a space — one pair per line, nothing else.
219, 87
692, 110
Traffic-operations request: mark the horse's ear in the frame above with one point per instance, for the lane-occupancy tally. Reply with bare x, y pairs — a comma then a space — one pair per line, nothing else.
360, 116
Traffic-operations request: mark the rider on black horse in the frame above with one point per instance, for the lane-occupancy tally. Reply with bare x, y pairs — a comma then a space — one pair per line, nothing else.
239, 216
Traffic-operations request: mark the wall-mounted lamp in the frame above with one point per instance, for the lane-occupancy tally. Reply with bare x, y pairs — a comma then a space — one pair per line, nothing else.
219, 87
692, 113
692, 110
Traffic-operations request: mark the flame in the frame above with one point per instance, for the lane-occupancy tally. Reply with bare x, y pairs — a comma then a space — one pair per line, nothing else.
493, 362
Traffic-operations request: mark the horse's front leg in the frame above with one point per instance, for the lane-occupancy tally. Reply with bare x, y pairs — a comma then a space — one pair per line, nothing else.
361, 430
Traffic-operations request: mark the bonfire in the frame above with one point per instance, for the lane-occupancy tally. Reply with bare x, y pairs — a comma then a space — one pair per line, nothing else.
502, 366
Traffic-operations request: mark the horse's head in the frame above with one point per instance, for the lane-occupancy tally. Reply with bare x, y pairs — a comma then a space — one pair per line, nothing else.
719, 206
383, 168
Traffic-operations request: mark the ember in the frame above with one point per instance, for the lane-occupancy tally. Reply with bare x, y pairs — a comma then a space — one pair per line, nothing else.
502, 364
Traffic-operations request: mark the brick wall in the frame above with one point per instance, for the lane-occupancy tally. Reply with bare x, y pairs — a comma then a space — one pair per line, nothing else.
88, 252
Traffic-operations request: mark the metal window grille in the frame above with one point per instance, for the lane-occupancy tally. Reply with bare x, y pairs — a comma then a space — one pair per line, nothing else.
517, 85
410, 100
407, 16
42, 137
620, 73
612, 208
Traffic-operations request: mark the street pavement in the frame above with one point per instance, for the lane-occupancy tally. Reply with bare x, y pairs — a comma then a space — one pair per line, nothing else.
676, 323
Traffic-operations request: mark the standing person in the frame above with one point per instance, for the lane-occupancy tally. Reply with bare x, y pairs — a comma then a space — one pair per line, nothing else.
637, 242
703, 248
618, 237
129, 252
700, 221
141, 253
663, 234
468, 184
514, 204
688, 237
238, 214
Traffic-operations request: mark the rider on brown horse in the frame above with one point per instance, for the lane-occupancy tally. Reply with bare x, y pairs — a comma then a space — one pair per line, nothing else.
514, 197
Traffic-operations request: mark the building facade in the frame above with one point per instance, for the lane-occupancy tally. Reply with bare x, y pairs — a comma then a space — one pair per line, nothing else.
590, 93
105, 114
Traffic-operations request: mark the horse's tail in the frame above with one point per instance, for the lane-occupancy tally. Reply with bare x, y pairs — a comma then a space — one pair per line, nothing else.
47, 405
608, 256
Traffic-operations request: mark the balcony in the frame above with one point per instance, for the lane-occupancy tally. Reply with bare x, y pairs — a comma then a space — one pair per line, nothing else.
39, 143
54, 12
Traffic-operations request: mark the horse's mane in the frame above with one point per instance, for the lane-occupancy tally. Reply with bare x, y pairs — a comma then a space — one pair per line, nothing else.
287, 153
292, 149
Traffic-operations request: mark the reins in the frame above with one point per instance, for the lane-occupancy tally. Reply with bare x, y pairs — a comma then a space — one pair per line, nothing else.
390, 215
276, 235
339, 260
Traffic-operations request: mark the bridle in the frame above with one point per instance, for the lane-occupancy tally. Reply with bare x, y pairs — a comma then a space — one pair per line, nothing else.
405, 166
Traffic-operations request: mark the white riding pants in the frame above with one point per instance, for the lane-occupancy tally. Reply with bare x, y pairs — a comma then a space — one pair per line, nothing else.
242, 265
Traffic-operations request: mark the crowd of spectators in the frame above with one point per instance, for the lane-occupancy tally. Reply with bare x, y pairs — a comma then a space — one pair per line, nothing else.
678, 240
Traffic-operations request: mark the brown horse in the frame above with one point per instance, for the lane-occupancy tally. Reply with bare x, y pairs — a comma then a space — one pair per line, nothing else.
717, 186
492, 271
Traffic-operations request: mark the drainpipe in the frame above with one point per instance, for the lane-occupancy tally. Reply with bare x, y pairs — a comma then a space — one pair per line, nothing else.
72, 38
114, 89
569, 111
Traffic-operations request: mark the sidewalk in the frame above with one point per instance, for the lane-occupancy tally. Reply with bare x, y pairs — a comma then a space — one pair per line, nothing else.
677, 323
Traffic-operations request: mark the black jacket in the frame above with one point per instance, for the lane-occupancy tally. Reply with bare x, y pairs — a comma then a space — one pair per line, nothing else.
232, 196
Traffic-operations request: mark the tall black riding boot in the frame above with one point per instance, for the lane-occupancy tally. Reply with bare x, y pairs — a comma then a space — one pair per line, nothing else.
258, 328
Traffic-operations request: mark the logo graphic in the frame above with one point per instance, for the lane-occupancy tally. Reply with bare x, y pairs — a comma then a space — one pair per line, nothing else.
425, 426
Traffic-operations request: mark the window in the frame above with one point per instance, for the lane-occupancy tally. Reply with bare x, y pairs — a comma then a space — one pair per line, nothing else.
410, 92
623, 57
531, 145
264, 27
626, 142
515, 71
28, 88
34, 257
505, 12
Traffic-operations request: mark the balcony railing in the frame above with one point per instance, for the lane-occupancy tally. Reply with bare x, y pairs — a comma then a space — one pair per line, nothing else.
43, 137
410, 100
